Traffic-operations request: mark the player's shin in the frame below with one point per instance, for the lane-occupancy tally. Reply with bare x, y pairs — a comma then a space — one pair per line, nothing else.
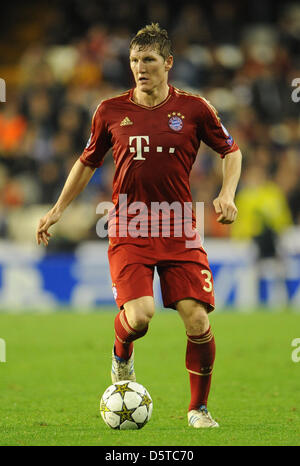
125, 336
200, 356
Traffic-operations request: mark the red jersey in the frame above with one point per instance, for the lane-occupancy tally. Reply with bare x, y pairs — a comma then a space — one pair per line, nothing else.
154, 148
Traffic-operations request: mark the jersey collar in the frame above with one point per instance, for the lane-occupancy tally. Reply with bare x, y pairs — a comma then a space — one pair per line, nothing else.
171, 90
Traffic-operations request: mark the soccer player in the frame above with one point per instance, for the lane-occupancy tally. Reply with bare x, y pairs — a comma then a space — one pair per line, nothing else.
155, 131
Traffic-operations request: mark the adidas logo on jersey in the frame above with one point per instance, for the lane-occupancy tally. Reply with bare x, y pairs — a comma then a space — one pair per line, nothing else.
126, 122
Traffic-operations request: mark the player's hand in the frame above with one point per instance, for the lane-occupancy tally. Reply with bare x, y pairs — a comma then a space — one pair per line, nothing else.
42, 234
226, 209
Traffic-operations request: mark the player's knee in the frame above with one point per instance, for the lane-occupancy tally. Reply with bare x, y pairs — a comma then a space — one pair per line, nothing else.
139, 315
139, 319
194, 315
199, 320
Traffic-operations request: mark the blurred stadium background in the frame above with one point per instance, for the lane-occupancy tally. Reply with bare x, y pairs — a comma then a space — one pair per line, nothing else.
60, 59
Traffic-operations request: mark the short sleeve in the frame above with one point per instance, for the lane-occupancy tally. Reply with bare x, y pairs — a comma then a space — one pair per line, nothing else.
99, 142
213, 133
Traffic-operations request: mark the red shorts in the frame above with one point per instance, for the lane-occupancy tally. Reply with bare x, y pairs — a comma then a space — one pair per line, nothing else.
184, 273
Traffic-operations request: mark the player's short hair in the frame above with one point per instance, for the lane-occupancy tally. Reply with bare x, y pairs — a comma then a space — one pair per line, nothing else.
153, 36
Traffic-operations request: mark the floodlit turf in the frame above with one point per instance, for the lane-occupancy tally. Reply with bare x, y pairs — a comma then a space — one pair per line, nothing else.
58, 366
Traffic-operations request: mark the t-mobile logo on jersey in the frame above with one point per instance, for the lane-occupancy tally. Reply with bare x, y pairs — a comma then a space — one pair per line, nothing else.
141, 149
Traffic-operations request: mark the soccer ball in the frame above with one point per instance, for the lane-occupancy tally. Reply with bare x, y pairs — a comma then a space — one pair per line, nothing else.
126, 405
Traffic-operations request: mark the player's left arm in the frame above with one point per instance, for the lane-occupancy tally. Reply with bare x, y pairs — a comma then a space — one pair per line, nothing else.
216, 136
224, 204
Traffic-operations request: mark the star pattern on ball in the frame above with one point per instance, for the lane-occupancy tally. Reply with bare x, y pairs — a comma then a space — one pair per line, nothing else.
122, 389
125, 414
146, 401
103, 407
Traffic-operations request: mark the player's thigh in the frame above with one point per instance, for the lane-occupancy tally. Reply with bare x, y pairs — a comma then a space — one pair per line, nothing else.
139, 311
187, 280
132, 281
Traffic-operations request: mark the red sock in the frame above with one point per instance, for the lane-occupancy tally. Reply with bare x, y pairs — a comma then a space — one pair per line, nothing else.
200, 356
125, 335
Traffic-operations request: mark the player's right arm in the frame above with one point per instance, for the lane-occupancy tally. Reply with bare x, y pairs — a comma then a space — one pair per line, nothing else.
77, 180
80, 174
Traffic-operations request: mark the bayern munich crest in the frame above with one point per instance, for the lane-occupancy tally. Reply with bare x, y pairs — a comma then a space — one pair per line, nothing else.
175, 121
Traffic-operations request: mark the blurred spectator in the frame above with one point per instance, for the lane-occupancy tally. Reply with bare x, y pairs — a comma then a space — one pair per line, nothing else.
263, 209
12, 129
263, 216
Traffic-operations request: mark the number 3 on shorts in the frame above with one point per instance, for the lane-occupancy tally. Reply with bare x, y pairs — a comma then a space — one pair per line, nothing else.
208, 287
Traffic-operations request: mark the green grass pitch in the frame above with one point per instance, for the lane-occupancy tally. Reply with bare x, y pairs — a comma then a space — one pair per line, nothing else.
58, 365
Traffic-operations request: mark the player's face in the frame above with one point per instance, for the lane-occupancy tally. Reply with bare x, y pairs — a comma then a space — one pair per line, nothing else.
149, 68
